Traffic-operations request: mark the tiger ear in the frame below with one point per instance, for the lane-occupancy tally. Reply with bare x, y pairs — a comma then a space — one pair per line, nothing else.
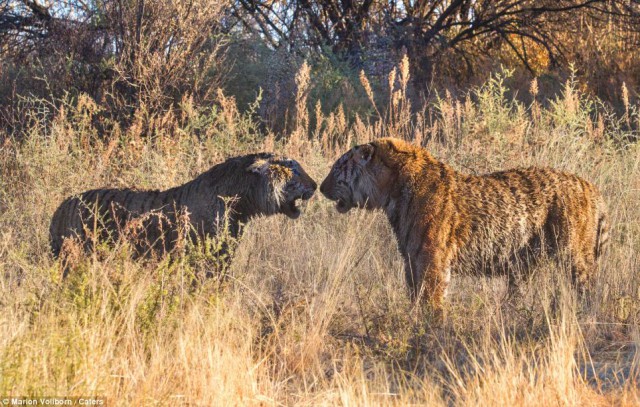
364, 153
259, 167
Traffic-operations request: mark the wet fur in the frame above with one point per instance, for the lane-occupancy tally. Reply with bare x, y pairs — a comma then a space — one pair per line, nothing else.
252, 185
447, 222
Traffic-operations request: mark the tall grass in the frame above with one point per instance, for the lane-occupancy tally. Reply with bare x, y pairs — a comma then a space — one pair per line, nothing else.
315, 310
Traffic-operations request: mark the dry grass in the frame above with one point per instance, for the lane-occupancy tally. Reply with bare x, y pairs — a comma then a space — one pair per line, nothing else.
315, 311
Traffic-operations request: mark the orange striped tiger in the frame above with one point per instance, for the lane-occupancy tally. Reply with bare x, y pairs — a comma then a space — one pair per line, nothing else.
447, 222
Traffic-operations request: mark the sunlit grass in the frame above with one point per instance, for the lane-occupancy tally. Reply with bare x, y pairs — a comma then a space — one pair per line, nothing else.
314, 310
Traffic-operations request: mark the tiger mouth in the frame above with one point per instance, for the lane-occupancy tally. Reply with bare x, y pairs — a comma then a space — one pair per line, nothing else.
291, 208
342, 206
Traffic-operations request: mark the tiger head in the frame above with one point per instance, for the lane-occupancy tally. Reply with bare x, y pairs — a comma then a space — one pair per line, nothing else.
363, 176
287, 180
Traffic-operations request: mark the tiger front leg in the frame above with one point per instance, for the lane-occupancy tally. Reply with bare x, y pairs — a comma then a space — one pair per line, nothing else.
428, 280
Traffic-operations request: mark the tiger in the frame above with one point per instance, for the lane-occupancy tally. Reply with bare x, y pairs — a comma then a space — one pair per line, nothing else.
449, 222
229, 194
